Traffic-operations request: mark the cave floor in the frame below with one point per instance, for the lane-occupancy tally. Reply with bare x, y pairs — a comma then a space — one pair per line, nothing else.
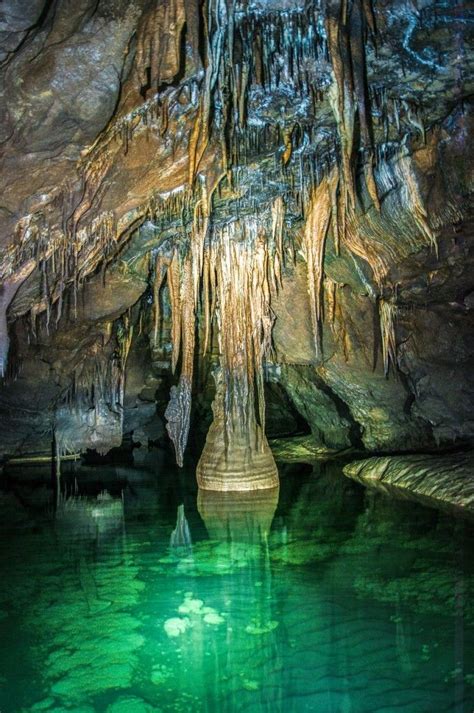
323, 597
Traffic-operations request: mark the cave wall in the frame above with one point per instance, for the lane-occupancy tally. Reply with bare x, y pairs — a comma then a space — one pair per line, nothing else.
336, 136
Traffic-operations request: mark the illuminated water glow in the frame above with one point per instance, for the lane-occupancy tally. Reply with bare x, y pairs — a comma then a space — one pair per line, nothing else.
328, 599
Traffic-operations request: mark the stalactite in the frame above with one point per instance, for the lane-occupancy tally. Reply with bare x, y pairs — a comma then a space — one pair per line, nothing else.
387, 317
90, 412
341, 91
8, 288
314, 240
414, 201
278, 221
215, 34
206, 306
199, 233
124, 335
158, 45
346, 30
173, 280
331, 296
359, 73
178, 412
287, 141
161, 265
360, 240
240, 257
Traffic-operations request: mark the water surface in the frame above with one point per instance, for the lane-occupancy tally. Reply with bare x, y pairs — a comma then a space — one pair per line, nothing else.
324, 597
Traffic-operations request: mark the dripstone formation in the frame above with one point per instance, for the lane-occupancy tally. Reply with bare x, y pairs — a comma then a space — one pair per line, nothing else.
261, 205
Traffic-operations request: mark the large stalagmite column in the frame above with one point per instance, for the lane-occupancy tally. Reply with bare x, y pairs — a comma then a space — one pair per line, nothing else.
236, 456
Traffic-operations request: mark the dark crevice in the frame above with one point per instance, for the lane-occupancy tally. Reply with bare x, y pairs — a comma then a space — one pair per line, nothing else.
355, 430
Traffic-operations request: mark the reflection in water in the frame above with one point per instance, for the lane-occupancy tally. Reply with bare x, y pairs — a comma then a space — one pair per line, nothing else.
93, 520
181, 535
239, 523
238, 517
322, 598
90, 517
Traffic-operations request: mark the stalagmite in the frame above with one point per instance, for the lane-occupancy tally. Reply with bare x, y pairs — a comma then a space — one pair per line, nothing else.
236, 455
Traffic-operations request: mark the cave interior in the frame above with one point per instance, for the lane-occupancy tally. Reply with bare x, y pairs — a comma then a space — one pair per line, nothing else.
236, 248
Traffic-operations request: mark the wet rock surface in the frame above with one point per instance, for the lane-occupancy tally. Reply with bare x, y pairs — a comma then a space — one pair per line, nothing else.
435, 480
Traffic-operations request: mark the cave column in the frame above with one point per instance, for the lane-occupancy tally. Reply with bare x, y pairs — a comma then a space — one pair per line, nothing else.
236, 456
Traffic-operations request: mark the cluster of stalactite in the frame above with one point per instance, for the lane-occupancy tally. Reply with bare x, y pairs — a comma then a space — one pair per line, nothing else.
244, 52
159, 44
90, 410
347, 27
220, 279
249, 54
63, 254
376, 236
61, 259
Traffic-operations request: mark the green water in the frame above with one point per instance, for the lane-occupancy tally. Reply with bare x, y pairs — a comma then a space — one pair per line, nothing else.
328, 598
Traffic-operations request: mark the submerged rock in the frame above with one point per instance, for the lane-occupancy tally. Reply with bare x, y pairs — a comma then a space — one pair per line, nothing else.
176, 626
260, 628
212, 617
131, 704
191, 606
446, 480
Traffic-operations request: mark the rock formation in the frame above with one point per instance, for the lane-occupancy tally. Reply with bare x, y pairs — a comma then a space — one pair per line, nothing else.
276, 193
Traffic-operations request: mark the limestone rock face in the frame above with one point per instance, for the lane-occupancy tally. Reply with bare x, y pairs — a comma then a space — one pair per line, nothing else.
284, 189
434, 480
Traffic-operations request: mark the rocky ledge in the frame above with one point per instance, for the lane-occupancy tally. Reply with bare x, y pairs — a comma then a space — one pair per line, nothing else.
443, 481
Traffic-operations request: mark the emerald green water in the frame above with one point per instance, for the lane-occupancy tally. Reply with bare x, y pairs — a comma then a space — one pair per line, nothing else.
329, 598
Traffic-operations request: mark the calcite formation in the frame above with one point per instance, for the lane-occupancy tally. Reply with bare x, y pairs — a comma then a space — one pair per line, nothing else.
441, 480
273, 193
